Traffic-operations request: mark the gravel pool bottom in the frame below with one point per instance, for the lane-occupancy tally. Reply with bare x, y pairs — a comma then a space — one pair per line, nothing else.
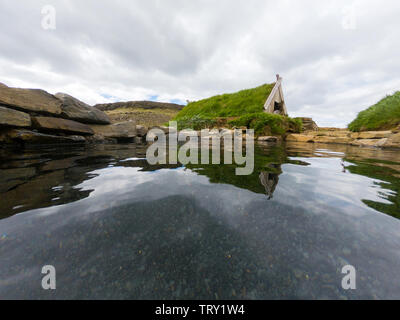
115, 227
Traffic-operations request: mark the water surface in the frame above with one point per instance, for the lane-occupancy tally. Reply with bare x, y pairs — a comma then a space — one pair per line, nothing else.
115, 227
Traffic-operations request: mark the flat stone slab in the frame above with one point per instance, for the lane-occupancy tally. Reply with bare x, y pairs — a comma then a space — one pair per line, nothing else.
370, 142
123, 130
299, 138
77, 110
372, 135
33, 100
31, 137
61, 125
14, 118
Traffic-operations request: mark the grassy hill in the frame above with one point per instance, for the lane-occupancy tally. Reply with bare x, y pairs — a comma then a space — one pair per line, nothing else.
228, 105
147, 113
383, 115
241, 109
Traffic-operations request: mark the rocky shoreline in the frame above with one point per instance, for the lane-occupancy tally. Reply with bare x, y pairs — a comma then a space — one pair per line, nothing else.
32, 116
376, 139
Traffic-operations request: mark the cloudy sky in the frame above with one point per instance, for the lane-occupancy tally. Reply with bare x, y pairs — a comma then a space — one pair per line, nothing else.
336, 57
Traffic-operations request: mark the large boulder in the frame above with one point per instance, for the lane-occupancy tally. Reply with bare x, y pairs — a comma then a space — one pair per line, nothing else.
14, 118
50, 124
75, 109
31, 137
122, 130
32, 100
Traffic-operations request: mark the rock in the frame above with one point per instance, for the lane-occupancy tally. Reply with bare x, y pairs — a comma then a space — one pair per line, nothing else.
226, 132
10, 178
122, 130
141, 131
339, 140
393, 141
299, 138
338, 133
374, 134
33, 100
14, 118
61, 125
77, 110
31, 137
309, 124
370, 142
139, 140
268, 139
166, 130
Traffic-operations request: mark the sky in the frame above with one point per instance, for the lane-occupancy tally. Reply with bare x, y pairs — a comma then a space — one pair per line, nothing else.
336, 57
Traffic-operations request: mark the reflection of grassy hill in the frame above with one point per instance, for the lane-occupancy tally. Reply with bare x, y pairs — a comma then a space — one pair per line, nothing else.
263, 162
383, 115
381, 171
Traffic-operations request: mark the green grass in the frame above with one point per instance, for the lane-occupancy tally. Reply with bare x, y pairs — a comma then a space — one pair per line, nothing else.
383, 115
241, 109
228, 105
196, 123
259, 121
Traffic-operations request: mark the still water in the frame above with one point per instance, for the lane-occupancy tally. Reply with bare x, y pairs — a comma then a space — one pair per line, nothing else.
115, 227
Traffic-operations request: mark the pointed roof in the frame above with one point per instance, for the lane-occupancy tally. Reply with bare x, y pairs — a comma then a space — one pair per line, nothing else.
276, 96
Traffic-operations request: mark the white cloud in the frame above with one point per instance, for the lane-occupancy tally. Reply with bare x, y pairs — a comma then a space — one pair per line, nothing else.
133, 50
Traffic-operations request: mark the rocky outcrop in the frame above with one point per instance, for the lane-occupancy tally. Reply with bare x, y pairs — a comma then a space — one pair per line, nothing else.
376, 139
49, 124
371, 134
14, 118
369, 142
393, 141
123, 130
32, 100
77, 110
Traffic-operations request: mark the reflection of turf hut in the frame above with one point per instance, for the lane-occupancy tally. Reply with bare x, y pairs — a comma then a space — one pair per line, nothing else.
275, 102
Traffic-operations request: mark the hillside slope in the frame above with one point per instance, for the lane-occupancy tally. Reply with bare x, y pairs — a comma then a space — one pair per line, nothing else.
228, 105
147, 113
383, 115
